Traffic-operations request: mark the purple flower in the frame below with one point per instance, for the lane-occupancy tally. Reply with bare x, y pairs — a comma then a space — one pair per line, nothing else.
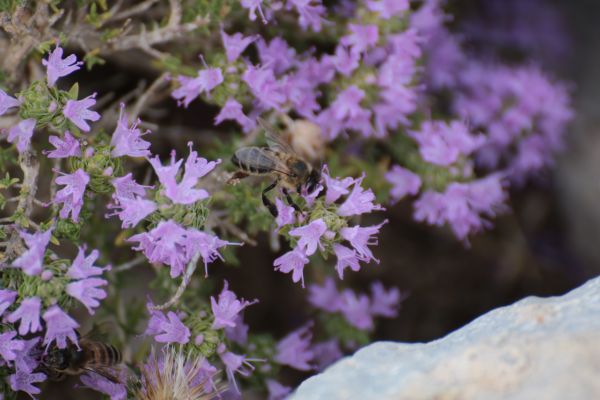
22, 133
253, 6
326, 353
285, 213
361, 38
116, 391
167, 329
356, 310
23, 381
336, 187
132, 211
309, 236
28, 359
206, 244
29, 314
388, 8
9, 346
126, 187
83, 267
127, 141
64, 147
72, 194
77, 112
7, 298
311, 15
345, 60
264, 86
347, 104
359, 201
87, 292
58, 67
7, 102
183, 192
384, 303
276, 390
32, 260
235, 44
59, 327
164, 244
403, 182
347, 258
361, 237
234, 363
191, 88
324, 297
232, 110
227, 308
292, 261
276, 55
239, 332
294, 350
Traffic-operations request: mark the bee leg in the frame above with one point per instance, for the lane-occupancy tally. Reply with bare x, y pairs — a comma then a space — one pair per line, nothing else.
290, 200
236, 177
267, 202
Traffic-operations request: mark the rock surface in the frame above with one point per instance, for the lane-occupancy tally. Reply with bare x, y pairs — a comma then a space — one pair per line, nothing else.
537, 348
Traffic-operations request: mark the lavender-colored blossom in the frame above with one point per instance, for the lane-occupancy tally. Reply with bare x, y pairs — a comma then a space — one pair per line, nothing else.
77, 112
388, 8
132, 211
309, 236
345, 60
58, 67
326, 353
7, 298
276, 390
253, 6
83, 267
264, 86
292, 261
127, 141
164, 244
232, 110
28, 359
227, 308
324, 297
190, 88
71, 196
22, 133
235, 44
23, 381
384, 302
87, 291
294, 350
403, 182
310, 11
115, 390
68, 146
359, 201
347, 103
126, 187
361, 37
59, 327
285, 213
206, 244
7, 102
29, 315
361, 237
356, 309
336, 187
239, 332
168, 329
9, 346
234, 363
183, 192
347, 258
32, 260
278, 56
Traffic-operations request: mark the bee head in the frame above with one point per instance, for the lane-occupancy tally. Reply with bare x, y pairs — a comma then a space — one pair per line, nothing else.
57, 359
314, 178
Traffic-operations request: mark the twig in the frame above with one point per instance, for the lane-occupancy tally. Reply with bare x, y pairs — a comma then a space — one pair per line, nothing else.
129, 264
185, 281
135, 10
145, 97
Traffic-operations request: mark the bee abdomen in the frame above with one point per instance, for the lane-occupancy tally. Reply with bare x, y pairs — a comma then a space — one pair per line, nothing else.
105, 354
253, 160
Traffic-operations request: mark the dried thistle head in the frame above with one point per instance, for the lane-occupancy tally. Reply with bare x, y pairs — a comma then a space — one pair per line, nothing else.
306, 139
175, 375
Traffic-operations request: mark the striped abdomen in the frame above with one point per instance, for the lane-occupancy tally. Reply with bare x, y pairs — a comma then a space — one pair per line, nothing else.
254, 160
100, 354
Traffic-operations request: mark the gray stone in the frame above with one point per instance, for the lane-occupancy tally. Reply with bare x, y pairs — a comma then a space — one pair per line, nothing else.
537, 348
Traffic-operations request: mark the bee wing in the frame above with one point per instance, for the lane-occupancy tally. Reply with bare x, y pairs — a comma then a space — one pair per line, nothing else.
274, 139
104, 372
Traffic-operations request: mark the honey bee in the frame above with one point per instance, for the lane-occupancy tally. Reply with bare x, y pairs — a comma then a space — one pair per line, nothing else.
279, 161
91, 356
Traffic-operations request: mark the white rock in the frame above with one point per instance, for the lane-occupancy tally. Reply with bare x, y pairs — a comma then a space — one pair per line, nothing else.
537, 348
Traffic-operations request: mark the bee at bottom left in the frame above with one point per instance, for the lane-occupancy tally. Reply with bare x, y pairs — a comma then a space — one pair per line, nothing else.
90, 356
